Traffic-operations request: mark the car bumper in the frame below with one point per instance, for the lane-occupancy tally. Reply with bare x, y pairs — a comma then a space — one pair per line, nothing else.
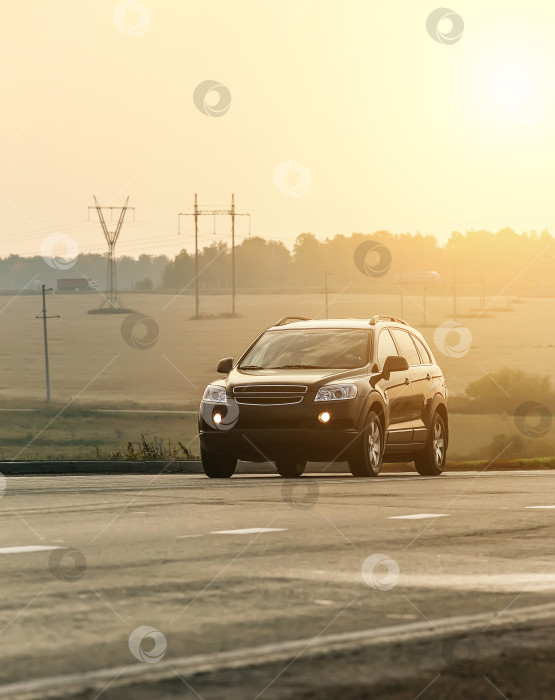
261, 445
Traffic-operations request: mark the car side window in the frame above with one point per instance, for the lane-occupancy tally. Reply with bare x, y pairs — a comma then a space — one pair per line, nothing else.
424, 354
386, 347
406, 347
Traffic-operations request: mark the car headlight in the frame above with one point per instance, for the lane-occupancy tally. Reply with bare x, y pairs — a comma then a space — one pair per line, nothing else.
214, 394
336, 392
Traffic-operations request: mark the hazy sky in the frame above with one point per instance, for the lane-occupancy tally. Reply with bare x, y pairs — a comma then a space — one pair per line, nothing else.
345, 115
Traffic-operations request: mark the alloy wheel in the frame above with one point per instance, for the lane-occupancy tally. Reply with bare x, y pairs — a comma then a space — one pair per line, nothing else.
374, 444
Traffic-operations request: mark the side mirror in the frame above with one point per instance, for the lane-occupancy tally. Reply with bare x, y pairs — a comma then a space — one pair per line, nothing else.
394, 363
225, 365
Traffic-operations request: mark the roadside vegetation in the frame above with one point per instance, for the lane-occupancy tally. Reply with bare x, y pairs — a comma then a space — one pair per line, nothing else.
155, 449
482, 421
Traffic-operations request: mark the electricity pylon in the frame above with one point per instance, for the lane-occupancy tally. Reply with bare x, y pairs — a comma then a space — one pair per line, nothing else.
111, 297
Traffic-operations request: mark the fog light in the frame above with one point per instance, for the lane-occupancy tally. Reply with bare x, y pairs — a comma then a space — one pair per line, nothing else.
324, 417
217, 418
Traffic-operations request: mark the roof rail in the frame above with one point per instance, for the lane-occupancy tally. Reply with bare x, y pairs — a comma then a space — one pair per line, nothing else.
380, 317
289, 319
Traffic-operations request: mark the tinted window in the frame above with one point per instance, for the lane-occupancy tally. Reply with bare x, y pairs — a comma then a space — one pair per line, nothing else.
310, 348
406, 347
426, 359
386, 347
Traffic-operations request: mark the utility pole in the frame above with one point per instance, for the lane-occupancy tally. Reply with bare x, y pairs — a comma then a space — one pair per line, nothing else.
206, 211
326, 275
196, 258
44, 316
233, 255
111, 297
454, 291
401, 291
424, 298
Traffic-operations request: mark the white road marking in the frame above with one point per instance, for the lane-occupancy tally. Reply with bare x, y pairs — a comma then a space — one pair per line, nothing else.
495, 583
248, 531
419, 516
184, 537
186, 666
28, 548
541, 507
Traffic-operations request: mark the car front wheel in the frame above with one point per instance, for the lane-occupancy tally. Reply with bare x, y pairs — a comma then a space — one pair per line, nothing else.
367, 453
217, 466
431, 461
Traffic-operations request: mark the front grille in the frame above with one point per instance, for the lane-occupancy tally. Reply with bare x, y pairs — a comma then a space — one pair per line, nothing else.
269, 394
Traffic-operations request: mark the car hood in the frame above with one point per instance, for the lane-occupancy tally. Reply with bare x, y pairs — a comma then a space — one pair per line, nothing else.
310, 377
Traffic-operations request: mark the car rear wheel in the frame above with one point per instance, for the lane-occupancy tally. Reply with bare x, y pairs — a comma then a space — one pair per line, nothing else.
431, 461
366, 454
290, 469
217, 466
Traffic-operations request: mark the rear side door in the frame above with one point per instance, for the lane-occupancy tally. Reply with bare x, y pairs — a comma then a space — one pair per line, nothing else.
398, 393
428, 379
407, 348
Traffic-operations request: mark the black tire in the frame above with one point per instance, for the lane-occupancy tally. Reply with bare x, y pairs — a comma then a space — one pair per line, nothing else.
431, 461
217, 466
289, 469
366, 455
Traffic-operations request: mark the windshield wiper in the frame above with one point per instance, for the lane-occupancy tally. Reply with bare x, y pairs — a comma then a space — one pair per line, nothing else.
250, 367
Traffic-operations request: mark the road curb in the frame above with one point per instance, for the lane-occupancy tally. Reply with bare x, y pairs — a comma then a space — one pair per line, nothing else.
194, 466
77, 467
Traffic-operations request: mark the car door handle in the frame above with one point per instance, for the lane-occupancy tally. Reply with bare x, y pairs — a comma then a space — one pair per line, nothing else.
407, 381
429, 376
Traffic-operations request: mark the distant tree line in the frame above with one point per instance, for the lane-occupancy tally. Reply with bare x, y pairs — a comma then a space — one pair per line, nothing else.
471, 257
145, 272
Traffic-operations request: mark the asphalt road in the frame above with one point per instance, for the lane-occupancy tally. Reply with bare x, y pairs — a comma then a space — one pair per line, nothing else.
328, 586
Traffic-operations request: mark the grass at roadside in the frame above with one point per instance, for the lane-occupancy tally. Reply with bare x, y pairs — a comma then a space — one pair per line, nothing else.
136, 431
89, 433
502, 464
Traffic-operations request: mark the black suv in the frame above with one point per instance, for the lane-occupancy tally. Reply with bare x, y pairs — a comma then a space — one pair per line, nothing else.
356, 390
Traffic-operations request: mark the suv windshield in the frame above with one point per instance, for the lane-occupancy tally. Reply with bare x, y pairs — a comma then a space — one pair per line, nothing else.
310, 349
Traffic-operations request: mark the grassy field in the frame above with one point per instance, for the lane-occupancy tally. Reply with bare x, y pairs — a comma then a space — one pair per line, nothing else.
57, 432
92, 366
82, 432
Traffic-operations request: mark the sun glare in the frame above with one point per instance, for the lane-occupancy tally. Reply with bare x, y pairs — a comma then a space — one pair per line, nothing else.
513, 84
